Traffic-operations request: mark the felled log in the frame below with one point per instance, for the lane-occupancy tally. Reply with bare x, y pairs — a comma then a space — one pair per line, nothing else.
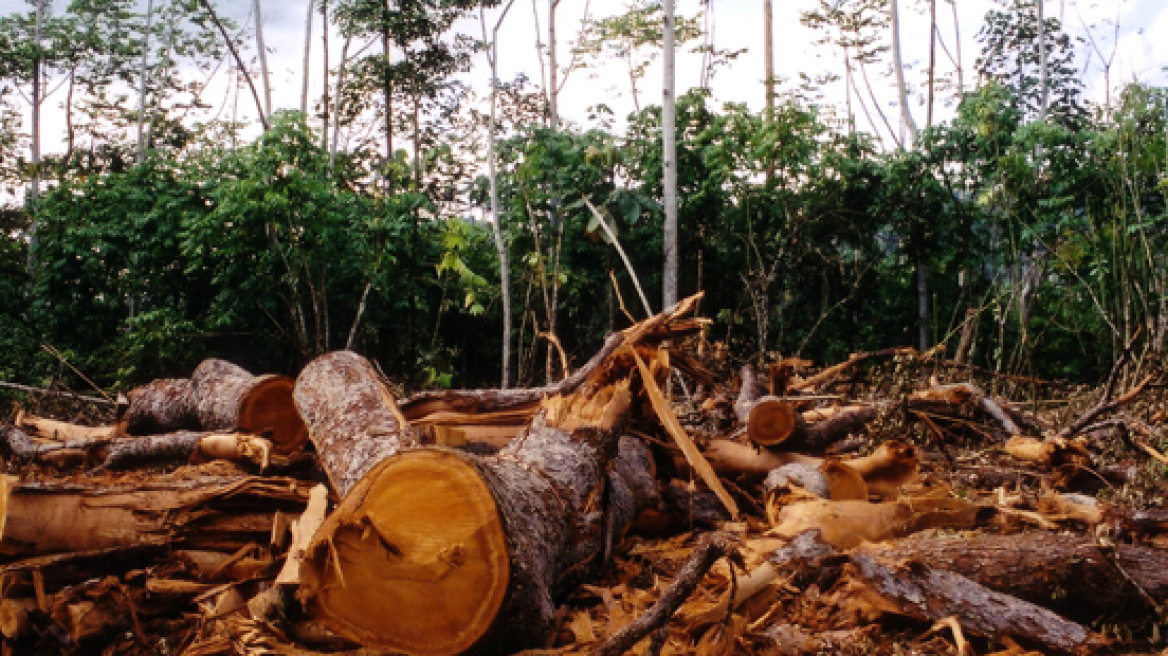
227, 397
217, 513
219, 396
51, 429
436, 551
769, 420
876, 583
1071, 575
845, 524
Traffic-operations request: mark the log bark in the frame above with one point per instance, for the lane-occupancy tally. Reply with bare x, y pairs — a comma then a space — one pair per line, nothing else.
228, 398
438, 551
1071, 575
162, 406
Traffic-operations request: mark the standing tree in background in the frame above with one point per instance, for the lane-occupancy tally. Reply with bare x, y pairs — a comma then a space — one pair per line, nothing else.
898, 68
500, 246
263, 53
669, 162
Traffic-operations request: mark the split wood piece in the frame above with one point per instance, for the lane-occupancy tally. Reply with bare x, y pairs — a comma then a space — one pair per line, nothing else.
669, 324
845, 524
270, 602
816, 415
1053, 452
1071, 575
58, 453
712, 548
827, 374
456, 429
882, 474
438, 551
162, 406
51, 429
228, 397
216, 513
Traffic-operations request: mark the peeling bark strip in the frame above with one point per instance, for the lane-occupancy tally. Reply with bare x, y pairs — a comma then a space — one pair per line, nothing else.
437, 551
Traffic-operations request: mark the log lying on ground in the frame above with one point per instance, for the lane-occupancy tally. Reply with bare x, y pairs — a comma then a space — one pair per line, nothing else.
769, 420
438, 551
876, 583
212, 512
219, 396
1071, 575
845, 524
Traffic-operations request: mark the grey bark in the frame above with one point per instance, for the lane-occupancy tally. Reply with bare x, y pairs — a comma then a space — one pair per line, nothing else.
553, 87
263, 52
162, 406
898, 65
308, 60
669, 161
35, 147
142, 81
1042, 90
238, 61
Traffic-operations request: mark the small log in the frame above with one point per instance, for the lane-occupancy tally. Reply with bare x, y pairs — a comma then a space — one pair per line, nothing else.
228, 398
162, 406
51, 429
845, 524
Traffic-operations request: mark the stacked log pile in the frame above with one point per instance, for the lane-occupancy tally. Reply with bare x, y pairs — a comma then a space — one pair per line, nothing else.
657, 500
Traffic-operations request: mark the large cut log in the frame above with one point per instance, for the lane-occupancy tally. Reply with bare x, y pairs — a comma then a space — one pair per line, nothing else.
769, 420
227, 397
1074, 576
437, 551
218, 513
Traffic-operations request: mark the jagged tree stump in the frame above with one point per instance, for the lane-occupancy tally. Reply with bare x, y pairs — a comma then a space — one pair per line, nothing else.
438, 551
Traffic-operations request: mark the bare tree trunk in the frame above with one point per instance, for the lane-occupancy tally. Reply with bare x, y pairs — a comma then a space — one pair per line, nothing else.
35, 191
1042, 92
500, 246
901, 89
336, 114
768, 35
307, 61
325, 55
669, 146
932, 59
553, 84
259, 23
142, 80
960, 64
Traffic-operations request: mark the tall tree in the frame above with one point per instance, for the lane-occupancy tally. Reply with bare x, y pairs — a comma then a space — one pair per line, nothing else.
669, 161
34, 195
898, 67
142, 80
308, 60
500, 245
263, 53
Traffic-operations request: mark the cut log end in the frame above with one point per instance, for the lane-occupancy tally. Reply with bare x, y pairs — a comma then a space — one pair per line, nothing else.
415, 558
268, 408
772, 421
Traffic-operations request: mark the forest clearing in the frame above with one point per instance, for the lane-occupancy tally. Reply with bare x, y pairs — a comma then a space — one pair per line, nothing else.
652, 327
652, 501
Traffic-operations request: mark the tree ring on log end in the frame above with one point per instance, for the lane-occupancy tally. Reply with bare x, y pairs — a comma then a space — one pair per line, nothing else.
268, 406
414, 559
771, 421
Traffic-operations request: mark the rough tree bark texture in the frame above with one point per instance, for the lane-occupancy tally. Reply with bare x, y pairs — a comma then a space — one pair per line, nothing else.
162, 406
451, 550
227, 397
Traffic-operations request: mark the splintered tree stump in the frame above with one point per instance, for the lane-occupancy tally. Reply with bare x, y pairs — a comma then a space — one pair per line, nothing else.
162, 406
227, 397
434, 551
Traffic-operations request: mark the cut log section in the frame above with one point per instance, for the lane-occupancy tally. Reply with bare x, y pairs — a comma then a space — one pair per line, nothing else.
227, 397
434, 551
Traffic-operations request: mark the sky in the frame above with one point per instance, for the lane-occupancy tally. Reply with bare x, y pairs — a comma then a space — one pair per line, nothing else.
1139, 51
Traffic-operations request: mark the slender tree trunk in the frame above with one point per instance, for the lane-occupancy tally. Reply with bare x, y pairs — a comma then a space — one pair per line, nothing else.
70, 129
669, 145
337, 100
553, 83
496, 228
960, 64
263, 52
922, 291
307, 61
1042, 84
768, 36
142, 80
901, 89
35, 191
324, 34
387, 90
932, 59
